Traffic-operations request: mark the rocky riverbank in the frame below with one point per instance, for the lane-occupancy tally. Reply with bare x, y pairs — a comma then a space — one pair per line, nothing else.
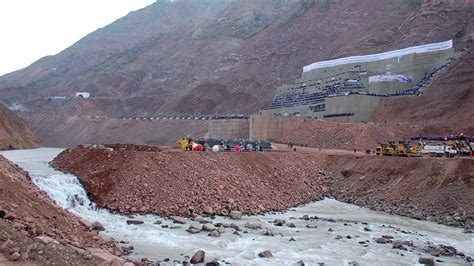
34, 230
143, 179
434, 189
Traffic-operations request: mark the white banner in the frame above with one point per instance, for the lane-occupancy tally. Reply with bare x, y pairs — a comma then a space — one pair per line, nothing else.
390, 78
433, 47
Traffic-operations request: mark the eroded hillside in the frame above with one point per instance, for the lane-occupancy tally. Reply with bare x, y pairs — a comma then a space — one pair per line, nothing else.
14, 131
228, 56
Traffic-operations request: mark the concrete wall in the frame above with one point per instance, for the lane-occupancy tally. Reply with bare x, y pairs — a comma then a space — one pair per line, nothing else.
265, 127
228, 129
362, 106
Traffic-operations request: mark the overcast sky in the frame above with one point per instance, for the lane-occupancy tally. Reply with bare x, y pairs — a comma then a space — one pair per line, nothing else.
31, 29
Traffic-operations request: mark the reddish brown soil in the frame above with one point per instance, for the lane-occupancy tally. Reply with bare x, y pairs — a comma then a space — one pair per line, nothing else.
338, 135
14, 131
440, 190
27, 215
187, 183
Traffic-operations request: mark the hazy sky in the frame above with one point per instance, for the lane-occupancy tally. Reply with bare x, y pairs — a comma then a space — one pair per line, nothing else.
31, 29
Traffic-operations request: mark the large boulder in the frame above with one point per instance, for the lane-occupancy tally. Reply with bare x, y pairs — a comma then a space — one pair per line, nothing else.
426, 261
178, 220
279, 222
208, 227
265, 254
104, 257
198, 257
194, 229
235, 215
208, 210
134, 222
97, 226
214, 233
253, 226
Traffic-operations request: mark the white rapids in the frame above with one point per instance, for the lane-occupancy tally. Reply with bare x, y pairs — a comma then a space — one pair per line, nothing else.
311, 245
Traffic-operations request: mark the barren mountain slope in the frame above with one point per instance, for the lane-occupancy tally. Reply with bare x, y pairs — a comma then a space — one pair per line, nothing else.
14, 131
191, 56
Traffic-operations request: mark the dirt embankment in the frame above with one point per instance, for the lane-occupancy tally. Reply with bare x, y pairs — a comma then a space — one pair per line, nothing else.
121, 178
33, 229
434, 189
339, 135
14, 131
187, 183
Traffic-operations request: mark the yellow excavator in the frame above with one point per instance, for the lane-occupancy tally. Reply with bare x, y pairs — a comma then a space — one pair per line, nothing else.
403, 149
185, 144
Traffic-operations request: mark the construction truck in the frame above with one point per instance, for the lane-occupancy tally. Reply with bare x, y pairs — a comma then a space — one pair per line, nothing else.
438, 151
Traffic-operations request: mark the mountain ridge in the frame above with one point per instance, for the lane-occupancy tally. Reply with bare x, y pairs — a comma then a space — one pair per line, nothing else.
191, 57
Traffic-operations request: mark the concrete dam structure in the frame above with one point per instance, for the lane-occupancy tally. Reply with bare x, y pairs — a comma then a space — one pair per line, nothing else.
349, 89
343, 90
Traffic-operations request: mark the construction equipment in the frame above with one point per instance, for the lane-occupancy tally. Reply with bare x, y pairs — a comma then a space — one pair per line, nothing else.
203, 143
415, 151
439, 150
185, 144
437, 146
383, 149
402, 148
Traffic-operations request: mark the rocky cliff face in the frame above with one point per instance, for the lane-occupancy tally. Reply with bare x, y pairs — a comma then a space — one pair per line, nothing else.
14, 131
226, 56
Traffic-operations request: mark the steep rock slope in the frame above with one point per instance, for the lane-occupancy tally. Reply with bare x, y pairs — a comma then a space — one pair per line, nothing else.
229, 56
14, 131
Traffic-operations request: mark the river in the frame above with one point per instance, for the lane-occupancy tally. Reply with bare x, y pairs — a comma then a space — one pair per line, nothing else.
356, 226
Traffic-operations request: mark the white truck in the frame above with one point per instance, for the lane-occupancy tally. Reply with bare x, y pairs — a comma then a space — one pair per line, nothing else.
438, 150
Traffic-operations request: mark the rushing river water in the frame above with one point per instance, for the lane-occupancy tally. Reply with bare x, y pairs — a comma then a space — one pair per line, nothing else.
312, 245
